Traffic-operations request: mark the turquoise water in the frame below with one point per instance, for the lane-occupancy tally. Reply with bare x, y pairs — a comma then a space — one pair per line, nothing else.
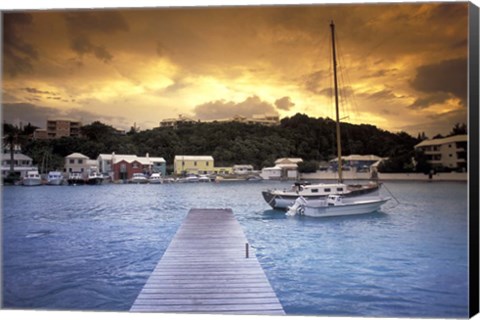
93, 247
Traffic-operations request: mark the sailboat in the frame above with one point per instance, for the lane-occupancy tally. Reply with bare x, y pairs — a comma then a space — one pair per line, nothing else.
283, 199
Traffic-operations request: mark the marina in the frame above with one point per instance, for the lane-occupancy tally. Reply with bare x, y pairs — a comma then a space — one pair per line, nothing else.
208, 268
92, 248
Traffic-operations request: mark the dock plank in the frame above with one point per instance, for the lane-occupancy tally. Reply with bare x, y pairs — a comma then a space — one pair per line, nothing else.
205, 270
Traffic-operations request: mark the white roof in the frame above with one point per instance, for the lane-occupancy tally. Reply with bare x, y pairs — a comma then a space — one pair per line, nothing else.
157, 159
288, 160
16, 156
76, 156
358, 157
131, 158
206, 158
436, 142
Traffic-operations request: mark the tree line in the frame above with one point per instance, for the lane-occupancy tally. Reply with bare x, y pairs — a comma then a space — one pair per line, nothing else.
312, 139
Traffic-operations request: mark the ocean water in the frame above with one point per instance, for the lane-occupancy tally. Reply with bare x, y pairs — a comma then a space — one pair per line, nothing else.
93, 247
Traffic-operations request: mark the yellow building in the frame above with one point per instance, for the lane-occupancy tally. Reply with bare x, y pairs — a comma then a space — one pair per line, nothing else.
193, 164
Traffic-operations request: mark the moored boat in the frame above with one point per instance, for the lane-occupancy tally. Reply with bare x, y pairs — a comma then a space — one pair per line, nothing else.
75, 179
32, 178
282, 199
138, 178
155, 178
336, 205
54, 178
95, 178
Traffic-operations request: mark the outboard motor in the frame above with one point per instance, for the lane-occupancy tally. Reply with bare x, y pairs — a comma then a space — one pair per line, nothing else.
298, 207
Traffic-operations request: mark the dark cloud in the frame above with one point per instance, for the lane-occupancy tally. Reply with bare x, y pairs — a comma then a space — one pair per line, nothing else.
425, 102
37, 115
222, 109
37, 91
384, 94
83, 25
18, 53
284, 103
447, 76
312, 81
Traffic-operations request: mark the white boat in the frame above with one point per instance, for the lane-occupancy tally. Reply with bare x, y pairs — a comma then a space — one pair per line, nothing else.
282, 199
203, 178
335, 205
75, 179
95, 178
138, 178
32, 178
190, 178
54, 178
155, 178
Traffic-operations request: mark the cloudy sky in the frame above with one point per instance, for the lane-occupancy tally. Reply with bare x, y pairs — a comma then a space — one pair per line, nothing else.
402, 66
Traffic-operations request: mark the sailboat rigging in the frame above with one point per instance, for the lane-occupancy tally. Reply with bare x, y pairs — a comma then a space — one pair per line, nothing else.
337, 113
283, 199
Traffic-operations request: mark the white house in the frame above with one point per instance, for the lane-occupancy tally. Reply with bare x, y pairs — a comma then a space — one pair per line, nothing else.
272, 173
77, 162
21, 163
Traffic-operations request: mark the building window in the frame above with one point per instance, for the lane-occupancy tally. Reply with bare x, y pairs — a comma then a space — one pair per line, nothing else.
135, 165
207, 163
72, 161
80, 161
195, 163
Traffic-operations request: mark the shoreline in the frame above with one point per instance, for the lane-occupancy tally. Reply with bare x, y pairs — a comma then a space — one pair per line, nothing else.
450, 176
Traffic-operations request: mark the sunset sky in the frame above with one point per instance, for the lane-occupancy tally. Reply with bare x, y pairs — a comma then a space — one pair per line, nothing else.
403, 67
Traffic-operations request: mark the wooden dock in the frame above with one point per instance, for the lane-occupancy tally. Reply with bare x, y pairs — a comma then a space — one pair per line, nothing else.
205, 269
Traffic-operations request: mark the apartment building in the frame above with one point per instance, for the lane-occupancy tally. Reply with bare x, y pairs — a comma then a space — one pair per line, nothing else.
450, 152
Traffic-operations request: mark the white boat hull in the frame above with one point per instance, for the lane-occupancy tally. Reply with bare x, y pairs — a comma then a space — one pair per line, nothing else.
344, 210
32, 182
55, 182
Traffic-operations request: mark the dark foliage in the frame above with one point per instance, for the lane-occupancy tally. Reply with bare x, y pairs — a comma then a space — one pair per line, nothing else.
312, 139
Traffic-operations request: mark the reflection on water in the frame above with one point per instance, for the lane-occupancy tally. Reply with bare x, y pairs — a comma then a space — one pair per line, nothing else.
93, 247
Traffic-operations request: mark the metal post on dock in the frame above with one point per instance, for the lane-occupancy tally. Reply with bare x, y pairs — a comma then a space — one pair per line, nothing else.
246, 250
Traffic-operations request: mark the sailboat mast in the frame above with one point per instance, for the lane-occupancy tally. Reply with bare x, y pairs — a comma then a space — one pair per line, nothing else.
339, 145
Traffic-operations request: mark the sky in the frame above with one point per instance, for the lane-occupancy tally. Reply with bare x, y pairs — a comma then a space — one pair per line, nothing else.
402, 67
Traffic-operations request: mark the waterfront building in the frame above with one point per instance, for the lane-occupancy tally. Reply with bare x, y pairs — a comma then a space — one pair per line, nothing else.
450, 152
242, 169
284, 169
129, 164
77, 163
193, 164
357, 163
22, 164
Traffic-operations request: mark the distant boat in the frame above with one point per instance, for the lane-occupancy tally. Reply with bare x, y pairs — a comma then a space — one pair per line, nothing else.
95, 178
282, 199
54, 178
190, 178
155, 178
203, 178
138, 178
32, 178
75, 179
335, 205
